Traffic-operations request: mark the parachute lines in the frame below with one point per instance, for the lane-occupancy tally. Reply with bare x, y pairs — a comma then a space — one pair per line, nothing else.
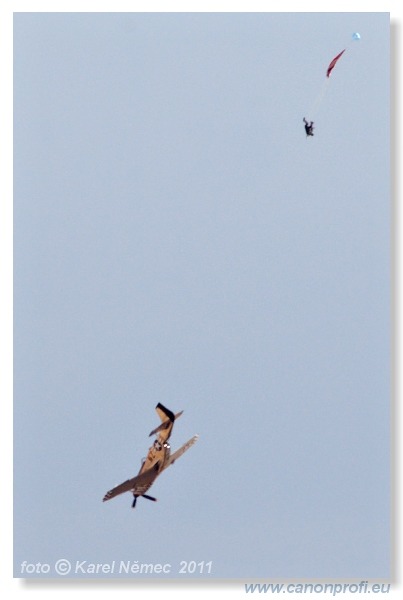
319, 99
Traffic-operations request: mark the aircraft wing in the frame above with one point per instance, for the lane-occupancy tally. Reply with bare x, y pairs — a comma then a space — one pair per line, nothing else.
173, 457
140, 482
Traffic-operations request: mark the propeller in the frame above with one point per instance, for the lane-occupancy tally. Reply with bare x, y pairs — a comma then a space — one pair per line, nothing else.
150, 498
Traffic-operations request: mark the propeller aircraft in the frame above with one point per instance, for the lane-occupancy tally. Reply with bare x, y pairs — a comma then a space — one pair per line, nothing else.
158, 459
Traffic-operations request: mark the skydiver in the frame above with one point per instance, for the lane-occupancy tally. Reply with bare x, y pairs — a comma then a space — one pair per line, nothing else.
308, 127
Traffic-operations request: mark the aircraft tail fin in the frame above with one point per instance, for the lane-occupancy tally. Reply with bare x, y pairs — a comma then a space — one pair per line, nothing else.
167, 417
164, 413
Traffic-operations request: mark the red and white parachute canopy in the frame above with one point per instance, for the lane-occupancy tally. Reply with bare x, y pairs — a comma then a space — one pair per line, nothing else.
333, 63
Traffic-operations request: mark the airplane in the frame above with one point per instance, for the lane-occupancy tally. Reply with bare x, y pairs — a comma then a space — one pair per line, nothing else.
158, 459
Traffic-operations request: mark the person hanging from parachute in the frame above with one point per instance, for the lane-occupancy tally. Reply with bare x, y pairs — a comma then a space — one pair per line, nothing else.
309, 125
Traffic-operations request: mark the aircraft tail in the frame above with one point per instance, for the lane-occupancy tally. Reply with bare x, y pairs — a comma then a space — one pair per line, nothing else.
164, 413
167, 417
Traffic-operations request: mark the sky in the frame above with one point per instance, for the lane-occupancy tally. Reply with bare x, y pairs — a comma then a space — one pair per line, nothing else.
178, 239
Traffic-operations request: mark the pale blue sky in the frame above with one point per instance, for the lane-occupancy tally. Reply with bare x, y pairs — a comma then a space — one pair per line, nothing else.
179, 240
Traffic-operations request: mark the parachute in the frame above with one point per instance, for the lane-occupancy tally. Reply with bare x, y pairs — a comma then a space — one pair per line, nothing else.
333, 63
355, 37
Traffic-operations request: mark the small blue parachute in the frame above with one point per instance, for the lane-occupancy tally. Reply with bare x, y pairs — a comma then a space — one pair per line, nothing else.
356, 36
